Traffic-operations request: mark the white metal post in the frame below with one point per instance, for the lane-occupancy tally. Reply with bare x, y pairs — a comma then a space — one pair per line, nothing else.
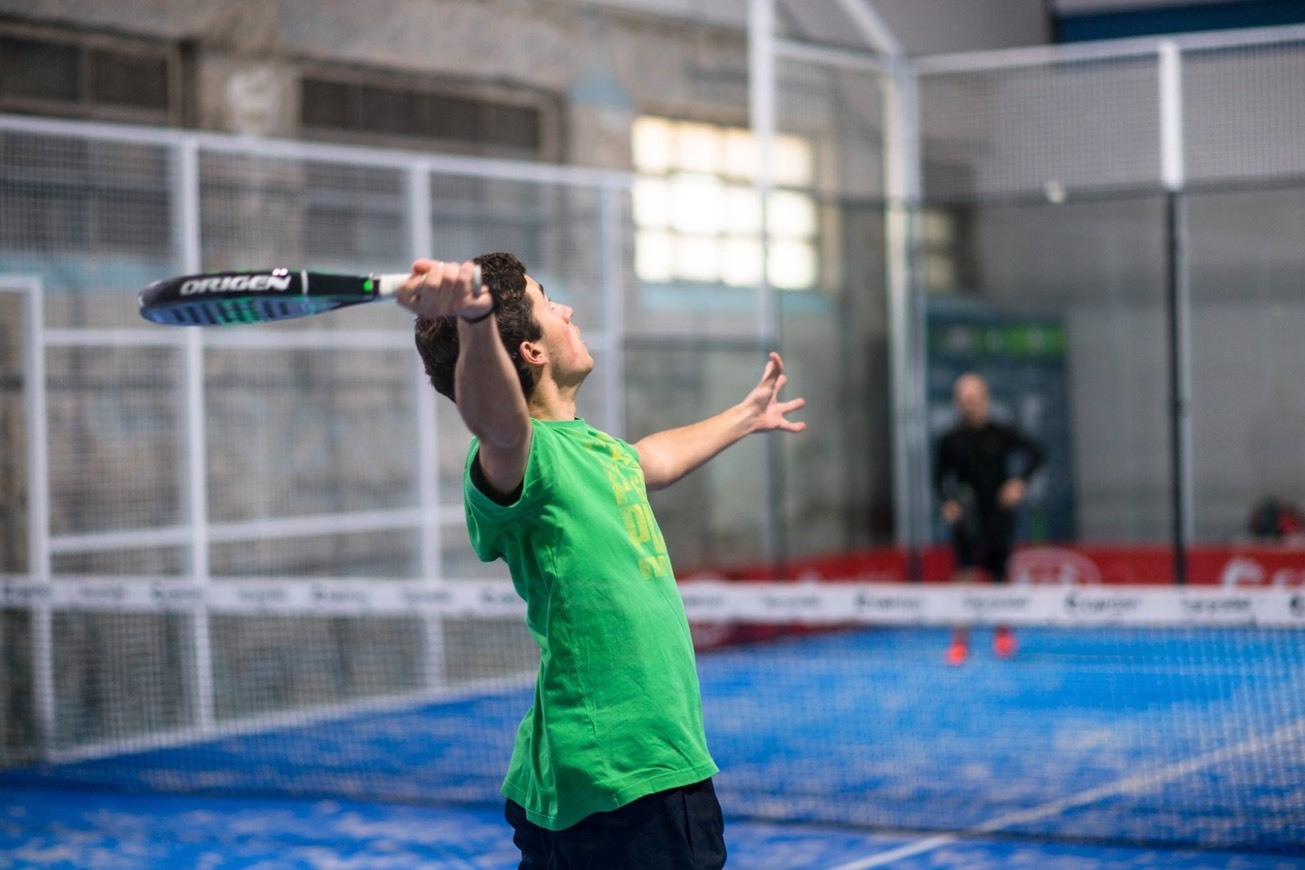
872, 27
1173, 174
38, 514
905, 311
900, 159
420, 236
761, 97
611, 277
1172, 167
186, 228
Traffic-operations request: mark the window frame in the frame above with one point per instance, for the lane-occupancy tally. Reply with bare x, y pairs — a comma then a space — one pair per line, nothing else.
667, 173
178, 71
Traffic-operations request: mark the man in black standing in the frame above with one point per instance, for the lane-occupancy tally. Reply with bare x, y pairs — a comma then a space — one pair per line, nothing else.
981, 474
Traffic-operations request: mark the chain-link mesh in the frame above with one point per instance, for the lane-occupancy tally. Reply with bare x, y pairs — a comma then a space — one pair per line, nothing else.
839, 113
263, 212
1243, 116
1042, 231
1040, 129
315, 433
836, 337
1077, 144
91, 218
1247, 271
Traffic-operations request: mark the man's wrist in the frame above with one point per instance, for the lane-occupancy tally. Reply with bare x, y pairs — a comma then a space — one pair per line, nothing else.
493, 306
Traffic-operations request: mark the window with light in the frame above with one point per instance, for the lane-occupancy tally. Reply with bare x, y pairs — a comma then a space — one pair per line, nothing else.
697, 214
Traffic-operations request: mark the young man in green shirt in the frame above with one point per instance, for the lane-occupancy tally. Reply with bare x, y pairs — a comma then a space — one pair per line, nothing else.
610, 768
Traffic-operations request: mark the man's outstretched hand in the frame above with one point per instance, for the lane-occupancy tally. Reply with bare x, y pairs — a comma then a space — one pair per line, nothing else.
768, 412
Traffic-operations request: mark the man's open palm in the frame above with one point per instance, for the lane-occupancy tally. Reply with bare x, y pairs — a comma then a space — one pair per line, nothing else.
764, 400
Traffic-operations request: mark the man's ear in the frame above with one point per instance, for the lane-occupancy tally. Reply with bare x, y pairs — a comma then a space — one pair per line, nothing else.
532, 353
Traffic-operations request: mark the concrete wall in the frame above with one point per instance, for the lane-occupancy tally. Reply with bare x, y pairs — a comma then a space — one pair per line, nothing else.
608, 64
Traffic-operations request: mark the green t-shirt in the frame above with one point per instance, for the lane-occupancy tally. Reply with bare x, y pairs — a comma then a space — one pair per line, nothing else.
617, 712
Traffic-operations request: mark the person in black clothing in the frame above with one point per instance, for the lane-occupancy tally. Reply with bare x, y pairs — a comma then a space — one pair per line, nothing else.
981, 473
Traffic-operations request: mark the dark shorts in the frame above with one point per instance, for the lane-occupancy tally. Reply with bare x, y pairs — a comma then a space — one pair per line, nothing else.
994, 559
985, 541
680, 828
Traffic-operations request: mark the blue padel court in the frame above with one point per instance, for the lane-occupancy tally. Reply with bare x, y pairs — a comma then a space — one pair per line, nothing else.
851, 749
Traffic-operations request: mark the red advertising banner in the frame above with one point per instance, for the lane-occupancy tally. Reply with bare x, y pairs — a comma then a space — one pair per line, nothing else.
1140, 565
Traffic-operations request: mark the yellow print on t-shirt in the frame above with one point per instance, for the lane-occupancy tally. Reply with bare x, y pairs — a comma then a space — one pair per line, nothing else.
626, 479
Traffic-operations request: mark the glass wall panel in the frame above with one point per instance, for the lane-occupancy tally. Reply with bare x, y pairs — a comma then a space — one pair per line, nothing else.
1247, 359
1063, 308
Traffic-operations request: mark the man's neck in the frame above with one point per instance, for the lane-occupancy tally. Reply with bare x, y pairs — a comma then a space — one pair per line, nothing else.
550, 404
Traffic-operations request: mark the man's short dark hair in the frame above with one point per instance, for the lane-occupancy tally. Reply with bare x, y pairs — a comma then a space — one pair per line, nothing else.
437, 339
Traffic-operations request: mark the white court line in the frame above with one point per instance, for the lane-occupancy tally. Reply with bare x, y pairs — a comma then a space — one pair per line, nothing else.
906, 851
1137, 783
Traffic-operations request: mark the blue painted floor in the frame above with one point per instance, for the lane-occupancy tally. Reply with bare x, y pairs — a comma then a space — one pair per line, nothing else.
1191, 740
41, 828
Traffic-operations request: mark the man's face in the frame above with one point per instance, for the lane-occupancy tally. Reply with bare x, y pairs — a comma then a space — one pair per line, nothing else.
971, 396
568, 356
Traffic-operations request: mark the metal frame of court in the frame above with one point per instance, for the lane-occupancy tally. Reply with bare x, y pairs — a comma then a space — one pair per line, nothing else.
431, 516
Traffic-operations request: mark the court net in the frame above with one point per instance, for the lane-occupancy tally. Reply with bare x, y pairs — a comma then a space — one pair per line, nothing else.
1153, 715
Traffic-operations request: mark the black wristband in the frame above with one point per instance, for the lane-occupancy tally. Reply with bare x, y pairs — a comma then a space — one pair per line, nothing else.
493, 306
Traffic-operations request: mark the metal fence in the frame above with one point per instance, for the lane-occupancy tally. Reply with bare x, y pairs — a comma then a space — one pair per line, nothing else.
1139, 198
1136, 206
309, 450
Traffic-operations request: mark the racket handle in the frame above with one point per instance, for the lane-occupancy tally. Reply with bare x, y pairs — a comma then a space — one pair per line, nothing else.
387, 285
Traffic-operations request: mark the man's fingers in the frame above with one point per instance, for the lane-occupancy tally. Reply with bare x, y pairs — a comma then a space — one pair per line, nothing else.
440, 289
470, 273
438, 274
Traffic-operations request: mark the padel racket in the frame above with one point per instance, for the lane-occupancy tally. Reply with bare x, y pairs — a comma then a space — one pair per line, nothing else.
261, 295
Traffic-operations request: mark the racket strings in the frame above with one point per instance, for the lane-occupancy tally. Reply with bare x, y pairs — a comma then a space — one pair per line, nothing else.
230, 312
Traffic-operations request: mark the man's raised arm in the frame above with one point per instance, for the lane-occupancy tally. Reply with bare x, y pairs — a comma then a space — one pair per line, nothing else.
487, 389
668, 456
